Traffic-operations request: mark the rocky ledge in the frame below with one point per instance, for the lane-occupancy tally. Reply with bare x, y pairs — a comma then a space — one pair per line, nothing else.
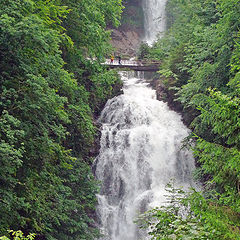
125, 42
168, 95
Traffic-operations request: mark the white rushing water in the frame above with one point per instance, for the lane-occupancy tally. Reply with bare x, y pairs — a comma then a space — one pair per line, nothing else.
140, 148
140, 153
154, 19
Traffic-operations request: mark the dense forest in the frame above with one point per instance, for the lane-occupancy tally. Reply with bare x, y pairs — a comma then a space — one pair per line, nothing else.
52, 86
200, 69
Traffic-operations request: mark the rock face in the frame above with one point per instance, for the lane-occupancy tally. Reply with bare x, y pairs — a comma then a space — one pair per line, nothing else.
127, 38
167, 95
125, 43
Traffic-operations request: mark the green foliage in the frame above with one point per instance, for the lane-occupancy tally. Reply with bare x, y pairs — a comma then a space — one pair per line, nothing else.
143, 51
49, 92
133, 15
87, 21
189, 216
18, 235
101, 88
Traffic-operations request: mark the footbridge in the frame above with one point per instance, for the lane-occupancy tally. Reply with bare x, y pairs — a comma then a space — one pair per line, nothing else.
134, 65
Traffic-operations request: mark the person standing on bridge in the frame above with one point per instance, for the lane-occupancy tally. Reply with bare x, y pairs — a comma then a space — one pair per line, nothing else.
112, 58
119, 60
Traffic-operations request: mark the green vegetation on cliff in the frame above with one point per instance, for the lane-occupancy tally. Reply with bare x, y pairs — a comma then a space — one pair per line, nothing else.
49, 93
200, 64
132, 17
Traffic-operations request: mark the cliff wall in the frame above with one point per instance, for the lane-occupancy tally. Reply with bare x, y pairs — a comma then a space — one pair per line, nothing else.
127, 38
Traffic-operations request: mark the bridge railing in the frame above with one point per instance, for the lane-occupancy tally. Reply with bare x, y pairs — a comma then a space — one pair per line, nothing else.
126, 62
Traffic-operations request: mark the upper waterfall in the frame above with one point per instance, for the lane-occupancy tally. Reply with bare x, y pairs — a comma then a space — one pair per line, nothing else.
154, 19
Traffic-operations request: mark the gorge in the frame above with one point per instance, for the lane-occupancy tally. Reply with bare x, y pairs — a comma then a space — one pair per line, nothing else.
54, 84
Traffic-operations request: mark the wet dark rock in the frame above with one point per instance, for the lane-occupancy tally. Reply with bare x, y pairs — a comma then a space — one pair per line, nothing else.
94, 151
96, 145
168, 95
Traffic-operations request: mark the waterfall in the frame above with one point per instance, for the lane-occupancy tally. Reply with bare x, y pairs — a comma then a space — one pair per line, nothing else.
140, 148
154, 19
140, 153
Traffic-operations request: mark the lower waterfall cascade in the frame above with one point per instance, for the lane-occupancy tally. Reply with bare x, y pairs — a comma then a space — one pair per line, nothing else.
141, 151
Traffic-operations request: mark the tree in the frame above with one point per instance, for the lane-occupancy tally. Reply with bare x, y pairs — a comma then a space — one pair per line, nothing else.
47, 113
